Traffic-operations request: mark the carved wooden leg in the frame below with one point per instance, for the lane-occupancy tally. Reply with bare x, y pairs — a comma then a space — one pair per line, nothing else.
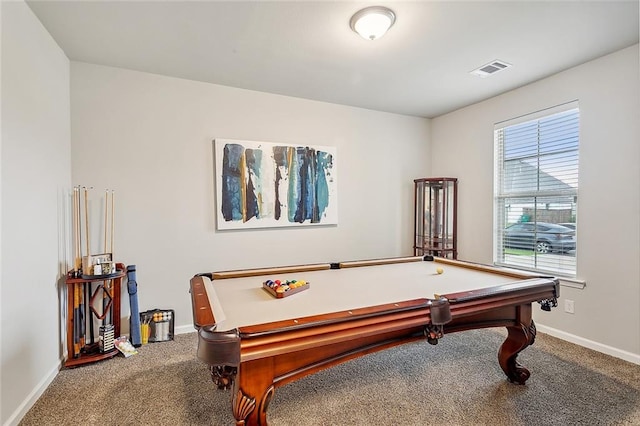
519, 337
264, 405
223, 375
243, 406
254, 390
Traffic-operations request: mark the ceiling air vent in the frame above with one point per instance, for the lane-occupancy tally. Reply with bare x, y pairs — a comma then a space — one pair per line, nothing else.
491, 68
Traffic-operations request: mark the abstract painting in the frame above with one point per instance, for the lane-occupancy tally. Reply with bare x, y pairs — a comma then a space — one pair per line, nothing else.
262, 185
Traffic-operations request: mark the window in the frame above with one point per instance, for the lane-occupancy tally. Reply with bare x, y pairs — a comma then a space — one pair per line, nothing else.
536, 191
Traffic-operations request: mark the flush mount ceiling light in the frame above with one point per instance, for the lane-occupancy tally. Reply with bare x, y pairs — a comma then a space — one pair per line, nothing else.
372, 22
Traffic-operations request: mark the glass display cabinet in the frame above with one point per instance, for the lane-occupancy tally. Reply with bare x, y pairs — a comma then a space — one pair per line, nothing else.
435, 227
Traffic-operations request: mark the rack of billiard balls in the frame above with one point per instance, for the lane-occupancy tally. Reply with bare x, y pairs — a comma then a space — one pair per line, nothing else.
284, 288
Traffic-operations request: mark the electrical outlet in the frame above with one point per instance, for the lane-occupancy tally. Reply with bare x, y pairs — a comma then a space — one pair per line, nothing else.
568, 306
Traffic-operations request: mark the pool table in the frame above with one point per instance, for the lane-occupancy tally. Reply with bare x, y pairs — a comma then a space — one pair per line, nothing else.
254, 342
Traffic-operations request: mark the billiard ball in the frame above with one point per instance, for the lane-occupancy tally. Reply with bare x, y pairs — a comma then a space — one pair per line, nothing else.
439, 270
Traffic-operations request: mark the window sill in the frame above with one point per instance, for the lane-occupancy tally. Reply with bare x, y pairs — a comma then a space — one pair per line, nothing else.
564, 281
572, 282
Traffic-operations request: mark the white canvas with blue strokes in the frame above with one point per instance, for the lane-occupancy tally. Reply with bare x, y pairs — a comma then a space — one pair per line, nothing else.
263, 185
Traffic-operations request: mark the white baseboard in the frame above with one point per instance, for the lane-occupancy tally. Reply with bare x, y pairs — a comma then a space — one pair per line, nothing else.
590, 344
184, 329
31, 399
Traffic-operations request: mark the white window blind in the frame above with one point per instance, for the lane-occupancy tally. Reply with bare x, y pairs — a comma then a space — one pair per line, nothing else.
536, 191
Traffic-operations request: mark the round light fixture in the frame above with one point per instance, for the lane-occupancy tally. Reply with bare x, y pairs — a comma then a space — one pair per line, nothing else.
372, 22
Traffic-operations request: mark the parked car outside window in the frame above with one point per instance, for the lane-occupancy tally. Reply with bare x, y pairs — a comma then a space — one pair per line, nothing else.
541, 237
569, 225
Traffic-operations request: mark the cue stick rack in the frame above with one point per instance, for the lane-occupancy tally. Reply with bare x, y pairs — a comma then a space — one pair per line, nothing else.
93, 287
435, 225
93, 305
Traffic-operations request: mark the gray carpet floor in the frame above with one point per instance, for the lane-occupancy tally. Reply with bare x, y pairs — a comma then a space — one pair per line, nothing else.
457, 382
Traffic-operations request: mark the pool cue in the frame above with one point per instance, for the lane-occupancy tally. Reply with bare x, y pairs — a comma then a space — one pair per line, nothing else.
77, 266
79, 233
106, 215
113, 204
74, 215
86, 219
90, 315
113, 210
80, 250
90, 311
76, 323
83, 320
73, 227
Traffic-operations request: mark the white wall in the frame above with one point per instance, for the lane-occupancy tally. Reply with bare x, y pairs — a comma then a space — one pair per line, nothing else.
36, 175
149, 138
607, 311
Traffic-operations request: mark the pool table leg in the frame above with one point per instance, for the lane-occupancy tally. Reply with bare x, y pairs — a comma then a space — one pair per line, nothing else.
520, 335
253, 390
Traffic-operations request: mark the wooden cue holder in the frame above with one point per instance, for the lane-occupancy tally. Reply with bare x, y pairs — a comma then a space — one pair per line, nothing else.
287, 293
82, 346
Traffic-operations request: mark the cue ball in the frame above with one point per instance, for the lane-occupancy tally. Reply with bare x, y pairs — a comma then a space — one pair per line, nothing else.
439, 270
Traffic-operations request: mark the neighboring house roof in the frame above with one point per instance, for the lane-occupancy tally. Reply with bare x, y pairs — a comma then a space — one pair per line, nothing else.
520, 176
